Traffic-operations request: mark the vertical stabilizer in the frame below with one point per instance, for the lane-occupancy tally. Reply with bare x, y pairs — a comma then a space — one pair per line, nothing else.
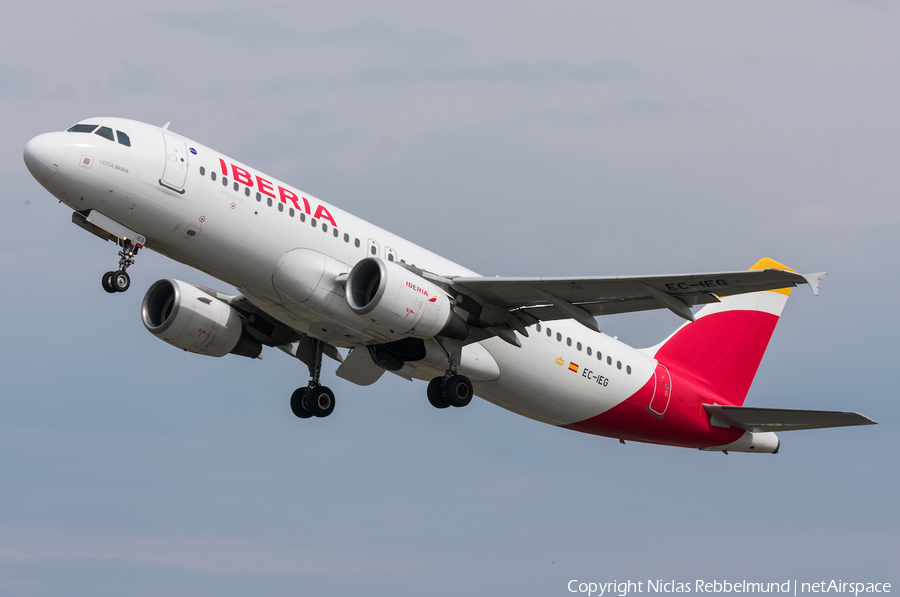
724, 346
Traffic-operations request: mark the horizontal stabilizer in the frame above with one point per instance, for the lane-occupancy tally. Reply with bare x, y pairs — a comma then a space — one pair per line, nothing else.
757, 420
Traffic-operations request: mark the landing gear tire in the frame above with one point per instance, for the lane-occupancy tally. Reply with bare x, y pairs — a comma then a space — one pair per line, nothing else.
299, 405
435, 393
320, 401
458, 390
107, 282
120, 281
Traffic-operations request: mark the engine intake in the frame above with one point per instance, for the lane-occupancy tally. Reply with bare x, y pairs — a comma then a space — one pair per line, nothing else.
186, 317
398, 300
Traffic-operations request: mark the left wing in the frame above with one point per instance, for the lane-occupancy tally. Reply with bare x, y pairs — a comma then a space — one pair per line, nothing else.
518, 302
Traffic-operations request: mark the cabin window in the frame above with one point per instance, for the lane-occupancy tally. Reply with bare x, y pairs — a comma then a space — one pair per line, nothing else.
291, 212
123, 139
346, 238
281, 207
82, 128
324, 227
259, 197
373, 250
628, 369
202, 171
313, 222
568, 341
335, 231
618, 364
105, 132
390, 256
356, 242
212, 174
599, 356
236, 187
247, 191
224, 181
302, 217
578, 346
609, 360
537, 327
589, 350
269, 202
549, 332
558, 337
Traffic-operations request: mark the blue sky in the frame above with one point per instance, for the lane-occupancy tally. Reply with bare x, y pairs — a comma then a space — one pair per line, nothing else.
518, 139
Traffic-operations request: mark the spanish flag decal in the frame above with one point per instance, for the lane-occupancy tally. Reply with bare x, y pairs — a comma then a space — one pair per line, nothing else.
573, 367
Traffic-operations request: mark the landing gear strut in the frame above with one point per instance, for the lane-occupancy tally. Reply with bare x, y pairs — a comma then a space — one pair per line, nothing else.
314, 400
120, 281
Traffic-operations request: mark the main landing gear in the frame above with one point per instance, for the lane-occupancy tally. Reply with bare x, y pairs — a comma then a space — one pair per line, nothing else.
452, 390
120, 281
314, 400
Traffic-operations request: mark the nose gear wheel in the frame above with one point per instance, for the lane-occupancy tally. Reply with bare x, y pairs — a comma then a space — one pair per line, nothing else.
120, 281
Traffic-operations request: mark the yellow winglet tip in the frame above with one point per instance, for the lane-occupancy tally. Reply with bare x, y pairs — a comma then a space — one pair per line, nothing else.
767, 263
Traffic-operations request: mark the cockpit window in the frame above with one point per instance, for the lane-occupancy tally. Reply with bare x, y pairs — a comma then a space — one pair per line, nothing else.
82, 128
123, 139
105, 132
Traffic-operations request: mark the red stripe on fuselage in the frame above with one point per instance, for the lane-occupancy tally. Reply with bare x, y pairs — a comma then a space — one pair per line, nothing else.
685, 422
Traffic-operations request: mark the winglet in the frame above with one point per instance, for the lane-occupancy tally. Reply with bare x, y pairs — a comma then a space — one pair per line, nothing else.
813, 281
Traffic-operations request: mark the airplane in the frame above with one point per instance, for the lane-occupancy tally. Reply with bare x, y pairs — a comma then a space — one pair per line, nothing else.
312, 279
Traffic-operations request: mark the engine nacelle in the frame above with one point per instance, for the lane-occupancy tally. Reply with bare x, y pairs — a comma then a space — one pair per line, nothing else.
186, 317
398, 300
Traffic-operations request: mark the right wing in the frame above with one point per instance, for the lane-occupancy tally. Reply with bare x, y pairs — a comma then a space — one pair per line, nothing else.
513, 303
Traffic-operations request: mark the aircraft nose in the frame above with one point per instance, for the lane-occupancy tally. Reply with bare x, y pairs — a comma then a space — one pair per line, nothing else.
43, 155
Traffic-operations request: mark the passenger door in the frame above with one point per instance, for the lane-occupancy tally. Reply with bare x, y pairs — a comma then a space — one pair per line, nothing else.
175, 171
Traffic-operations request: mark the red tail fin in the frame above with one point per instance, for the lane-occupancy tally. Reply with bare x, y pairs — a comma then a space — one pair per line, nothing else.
724, 346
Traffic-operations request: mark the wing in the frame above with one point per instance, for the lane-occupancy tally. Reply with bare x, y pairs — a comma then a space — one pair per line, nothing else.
518, 302
755, 419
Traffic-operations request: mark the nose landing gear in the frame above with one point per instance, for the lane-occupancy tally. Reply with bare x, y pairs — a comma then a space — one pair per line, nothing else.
120, 281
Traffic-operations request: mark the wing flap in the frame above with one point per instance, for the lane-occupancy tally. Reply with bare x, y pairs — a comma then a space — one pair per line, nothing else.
755, 419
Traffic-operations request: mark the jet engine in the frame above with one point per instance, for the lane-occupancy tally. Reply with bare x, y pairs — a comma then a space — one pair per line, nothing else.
186, 317
398, 300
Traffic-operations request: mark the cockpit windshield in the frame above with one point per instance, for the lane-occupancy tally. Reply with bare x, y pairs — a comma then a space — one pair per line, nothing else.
106, 133
82, 128
103, 131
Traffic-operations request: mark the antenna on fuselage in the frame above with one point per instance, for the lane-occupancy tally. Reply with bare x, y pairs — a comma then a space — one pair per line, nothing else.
165, 127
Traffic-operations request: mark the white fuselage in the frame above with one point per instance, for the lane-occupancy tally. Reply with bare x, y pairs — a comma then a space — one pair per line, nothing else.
283, 249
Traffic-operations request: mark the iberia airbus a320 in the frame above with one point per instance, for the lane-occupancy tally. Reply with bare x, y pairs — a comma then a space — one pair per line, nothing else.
312, 278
